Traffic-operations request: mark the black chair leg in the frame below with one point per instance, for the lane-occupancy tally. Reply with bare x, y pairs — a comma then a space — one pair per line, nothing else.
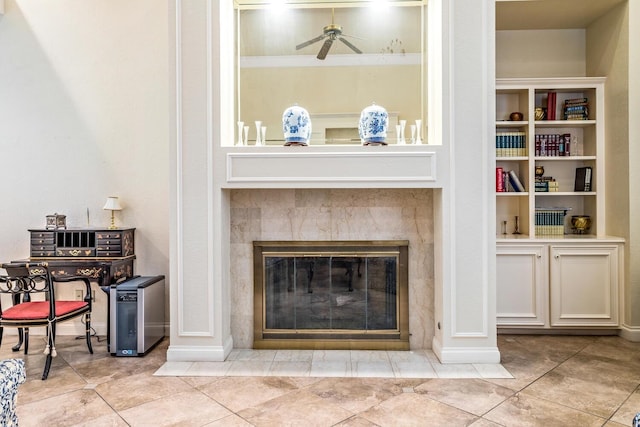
88, 332
20, 340
26, 340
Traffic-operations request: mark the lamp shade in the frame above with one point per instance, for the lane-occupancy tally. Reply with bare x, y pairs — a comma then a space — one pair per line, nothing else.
113, 204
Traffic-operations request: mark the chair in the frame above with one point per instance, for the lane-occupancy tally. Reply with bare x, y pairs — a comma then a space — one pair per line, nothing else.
23, 282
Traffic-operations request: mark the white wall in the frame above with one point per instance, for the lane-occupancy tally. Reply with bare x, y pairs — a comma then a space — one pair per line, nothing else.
540, 53
84, 114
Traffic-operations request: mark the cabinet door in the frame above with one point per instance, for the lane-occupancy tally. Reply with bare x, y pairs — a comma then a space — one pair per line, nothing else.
584, 285
521, 288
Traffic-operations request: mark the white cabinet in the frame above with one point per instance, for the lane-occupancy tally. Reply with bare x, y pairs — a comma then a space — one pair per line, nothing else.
584, 285
521, 285
548, 274
559, 284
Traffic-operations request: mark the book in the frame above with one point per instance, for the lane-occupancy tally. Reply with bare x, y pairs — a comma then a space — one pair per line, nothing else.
583, 179
515, 182
551, 105
587, 180
500, 180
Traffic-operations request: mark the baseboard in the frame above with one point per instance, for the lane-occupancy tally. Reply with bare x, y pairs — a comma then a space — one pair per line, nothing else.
66, 328
630, 333
197, 353
465, 354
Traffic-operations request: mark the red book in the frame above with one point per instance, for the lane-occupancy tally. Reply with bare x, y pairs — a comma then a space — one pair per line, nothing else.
499, 180
551, 105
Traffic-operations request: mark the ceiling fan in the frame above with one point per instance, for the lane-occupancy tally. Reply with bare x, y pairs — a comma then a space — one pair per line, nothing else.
331, 32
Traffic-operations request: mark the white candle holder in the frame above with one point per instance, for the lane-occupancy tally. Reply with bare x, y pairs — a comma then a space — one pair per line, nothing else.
413, 134
403, 123
240, 130
258, 132
399, 135
246, 136
418, 131
263, 134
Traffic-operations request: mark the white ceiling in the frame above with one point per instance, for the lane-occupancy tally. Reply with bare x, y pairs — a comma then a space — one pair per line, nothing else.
550, 14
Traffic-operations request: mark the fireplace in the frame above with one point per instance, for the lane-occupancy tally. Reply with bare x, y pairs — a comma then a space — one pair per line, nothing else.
331, 294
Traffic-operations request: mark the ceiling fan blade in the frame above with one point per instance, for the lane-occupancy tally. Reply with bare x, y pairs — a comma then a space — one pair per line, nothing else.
310, 42
348, 43
325, 48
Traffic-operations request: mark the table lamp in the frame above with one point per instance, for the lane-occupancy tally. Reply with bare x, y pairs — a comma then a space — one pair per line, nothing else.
113, 204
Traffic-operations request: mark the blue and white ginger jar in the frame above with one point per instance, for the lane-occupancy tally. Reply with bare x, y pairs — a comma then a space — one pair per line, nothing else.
296, 125
373, 125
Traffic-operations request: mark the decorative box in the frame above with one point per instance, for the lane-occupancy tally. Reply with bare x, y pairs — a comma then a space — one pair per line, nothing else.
296, 125
373, 125
56, 221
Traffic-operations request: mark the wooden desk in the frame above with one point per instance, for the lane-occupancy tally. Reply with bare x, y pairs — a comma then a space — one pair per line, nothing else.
103, 255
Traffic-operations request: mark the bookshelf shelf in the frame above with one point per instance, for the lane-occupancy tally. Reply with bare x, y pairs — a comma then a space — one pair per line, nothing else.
564, 193
558, 147
564, 158
511, 123
564, 123
512, 193
511, 158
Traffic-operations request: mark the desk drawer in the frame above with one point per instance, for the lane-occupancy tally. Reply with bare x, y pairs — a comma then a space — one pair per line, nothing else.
37, 252
109, 238
107, 253
39, 241
77, 252
110, 248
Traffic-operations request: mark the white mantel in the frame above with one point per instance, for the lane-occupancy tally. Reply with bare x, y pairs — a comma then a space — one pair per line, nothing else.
459, 168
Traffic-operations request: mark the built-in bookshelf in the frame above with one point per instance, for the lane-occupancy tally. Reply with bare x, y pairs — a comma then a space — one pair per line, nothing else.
555, 149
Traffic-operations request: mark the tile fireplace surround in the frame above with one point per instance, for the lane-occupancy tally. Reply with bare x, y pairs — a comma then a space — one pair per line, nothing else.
333, 214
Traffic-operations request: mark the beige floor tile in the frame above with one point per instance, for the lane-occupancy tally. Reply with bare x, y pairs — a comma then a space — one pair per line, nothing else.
594, 397
238, 393
64, 381
230, 421
137, 389
299, 408
190, 408
528, 411
355, 394
357, 421
80, 406
412, 409
111, 420
470, 395
628, 410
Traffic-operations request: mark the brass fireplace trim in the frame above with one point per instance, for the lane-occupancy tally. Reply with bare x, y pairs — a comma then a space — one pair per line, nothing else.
396, 339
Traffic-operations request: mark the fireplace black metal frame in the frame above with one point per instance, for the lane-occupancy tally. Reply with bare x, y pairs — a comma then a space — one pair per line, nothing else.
377, 339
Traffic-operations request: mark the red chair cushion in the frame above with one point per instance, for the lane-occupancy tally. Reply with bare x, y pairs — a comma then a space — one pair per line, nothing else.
40, 309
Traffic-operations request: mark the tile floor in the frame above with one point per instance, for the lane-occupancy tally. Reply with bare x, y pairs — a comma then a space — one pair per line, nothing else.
557, 381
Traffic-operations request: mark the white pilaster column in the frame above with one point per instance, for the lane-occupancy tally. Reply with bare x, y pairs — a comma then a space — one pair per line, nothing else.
199, 280
465, 263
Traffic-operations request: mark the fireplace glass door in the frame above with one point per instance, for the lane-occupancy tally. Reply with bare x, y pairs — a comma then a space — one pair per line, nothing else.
339, 294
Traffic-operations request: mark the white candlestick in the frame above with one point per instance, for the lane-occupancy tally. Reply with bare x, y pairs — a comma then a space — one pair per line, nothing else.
263, 134
246, 136
240, 129
418, 130
403, 123
258, 125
